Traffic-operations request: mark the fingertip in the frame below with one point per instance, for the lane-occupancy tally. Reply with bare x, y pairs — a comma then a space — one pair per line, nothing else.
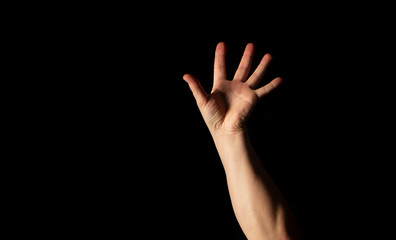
188, 77
266, 60
221, 47
267, 57
251, 46
277, 81
185, 77
250, 49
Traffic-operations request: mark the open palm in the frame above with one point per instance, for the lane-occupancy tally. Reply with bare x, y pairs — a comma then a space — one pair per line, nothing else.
230, 102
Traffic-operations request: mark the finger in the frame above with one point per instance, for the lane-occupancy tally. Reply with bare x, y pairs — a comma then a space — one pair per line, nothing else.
219, 63
263, 91
258, 74
196, 88
244, 66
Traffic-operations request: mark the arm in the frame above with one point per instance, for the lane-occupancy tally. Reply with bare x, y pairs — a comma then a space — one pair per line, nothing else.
258, 204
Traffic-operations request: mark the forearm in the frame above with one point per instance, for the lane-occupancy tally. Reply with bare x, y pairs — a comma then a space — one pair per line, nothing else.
258, 204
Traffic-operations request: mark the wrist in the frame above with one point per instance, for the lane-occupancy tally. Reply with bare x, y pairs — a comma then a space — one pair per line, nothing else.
222, 134
232, 146
230, 140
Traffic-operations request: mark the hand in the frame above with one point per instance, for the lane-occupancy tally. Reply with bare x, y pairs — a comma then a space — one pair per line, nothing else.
228, 106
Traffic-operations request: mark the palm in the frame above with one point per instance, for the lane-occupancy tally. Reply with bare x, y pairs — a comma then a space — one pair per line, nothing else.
230, 102
229, 105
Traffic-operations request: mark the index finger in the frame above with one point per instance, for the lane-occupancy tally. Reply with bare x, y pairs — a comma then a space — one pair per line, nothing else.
219, 63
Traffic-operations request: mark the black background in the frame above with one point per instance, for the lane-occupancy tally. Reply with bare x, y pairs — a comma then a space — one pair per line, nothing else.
132, 155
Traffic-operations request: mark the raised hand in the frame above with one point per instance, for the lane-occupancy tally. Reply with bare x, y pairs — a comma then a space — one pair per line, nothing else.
228, 106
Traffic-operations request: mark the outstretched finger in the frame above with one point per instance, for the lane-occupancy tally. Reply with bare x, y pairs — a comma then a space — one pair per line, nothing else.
263, 91
196, 88
244, 66
258, 74
219, 63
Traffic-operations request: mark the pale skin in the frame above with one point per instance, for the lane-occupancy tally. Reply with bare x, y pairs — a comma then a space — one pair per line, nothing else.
259, 206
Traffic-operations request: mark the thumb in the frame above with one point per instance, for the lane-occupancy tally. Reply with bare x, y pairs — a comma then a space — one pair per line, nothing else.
196, 88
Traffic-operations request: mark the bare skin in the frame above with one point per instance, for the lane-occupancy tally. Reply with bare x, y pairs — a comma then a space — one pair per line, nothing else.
230, 102
260, 208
